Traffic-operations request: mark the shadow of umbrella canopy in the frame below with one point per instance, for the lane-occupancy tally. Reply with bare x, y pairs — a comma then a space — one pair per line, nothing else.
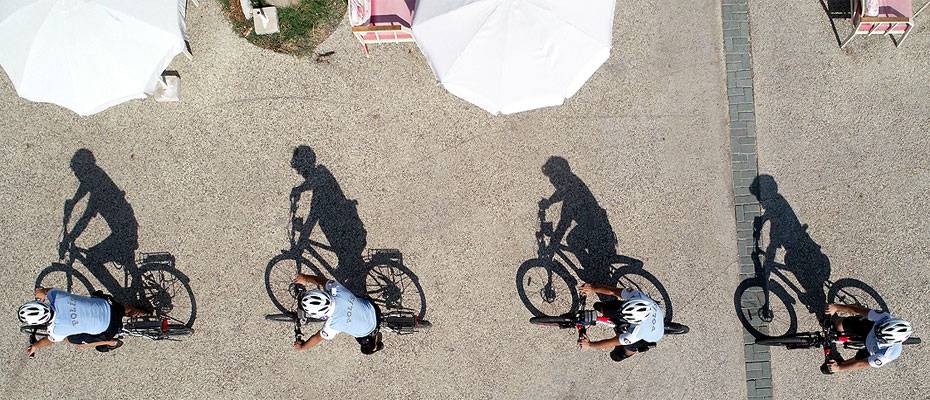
508, 56
89, 55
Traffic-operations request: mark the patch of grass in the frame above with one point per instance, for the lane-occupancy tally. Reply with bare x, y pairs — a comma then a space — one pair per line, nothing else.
302, 27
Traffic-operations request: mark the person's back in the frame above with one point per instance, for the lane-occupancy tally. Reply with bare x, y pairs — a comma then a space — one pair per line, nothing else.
353, 315
75, 314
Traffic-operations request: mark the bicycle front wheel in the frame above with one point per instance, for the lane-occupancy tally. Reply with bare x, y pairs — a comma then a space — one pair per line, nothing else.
558, 322
776, 318
279, 280
801, 340
546, 288
60, 276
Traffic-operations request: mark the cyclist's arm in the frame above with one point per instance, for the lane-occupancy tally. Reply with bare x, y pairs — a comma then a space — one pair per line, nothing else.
44, 342
848, 309
306, 279
309, 343
41, 293
605, 344
81, 224
599, 289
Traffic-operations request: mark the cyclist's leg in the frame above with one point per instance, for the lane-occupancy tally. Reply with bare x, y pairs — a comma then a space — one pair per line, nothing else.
370, 344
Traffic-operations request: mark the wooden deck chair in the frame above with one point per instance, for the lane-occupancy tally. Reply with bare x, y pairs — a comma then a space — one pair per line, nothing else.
389, 22
894, 17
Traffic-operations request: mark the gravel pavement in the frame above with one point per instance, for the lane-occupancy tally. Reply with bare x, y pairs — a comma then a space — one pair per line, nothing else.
455, 189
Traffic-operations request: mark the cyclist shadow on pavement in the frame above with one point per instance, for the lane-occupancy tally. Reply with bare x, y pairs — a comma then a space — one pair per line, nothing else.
545, 284
380, 274
787, 238
154, 285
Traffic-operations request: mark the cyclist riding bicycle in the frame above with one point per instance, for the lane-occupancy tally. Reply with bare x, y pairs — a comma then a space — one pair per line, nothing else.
342, 311
81, 320
638, 317
336, 214
883, 335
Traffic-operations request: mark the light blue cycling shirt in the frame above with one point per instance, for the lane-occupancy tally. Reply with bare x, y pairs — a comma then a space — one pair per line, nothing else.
650, 330
880, 353
353, 315
76, 314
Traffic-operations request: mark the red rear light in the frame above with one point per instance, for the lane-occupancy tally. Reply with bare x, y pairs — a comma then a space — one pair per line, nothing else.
164, 325
843, 339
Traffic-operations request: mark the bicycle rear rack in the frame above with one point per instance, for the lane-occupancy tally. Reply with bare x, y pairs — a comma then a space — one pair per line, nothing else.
401, 322
386, 255
163, 258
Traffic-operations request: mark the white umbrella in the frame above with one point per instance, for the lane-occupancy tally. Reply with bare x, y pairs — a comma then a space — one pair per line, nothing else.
88, 55
507, 56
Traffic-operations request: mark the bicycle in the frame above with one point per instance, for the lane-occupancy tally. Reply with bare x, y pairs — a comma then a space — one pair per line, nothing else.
388, 282
153, 280
753, 302
828, 339
398, 321
583, 318
149, 327
547, 288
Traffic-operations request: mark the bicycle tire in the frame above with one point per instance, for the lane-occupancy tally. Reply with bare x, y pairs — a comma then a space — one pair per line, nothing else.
279, 274
674, 328
56, 276
622, 277
559, 322
840, 293
747, 300
795, 340
161, 290
286, 317
560, 296
423, 325
389, 294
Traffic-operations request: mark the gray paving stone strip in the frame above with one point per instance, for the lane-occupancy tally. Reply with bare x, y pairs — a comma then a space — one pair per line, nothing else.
745, 168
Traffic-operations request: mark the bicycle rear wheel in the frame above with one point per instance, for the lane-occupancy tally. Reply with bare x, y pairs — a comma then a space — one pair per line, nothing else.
167, 292
558, 322
391, 284
634, 277
798, 340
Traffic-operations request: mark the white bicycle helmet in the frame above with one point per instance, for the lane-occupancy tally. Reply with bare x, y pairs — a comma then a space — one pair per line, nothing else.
893, 331
635, 311
317, 304
35, 313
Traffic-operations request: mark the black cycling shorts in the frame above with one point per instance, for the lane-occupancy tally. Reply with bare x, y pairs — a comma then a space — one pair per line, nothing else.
859, 327
116, 325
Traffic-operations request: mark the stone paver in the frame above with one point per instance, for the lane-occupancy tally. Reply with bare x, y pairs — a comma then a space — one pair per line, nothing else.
744, 165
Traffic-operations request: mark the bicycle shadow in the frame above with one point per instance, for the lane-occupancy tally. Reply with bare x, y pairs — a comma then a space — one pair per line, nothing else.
153, 284
787, 238
379, 274
546, 284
